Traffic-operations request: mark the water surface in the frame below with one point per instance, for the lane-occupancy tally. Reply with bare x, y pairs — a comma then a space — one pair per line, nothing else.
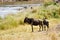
8, 9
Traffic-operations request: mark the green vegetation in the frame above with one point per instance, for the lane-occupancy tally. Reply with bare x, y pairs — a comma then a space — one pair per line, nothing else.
12, 26
13, 20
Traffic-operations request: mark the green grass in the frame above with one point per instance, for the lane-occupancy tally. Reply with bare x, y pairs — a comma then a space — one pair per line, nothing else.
12, 26
13, 20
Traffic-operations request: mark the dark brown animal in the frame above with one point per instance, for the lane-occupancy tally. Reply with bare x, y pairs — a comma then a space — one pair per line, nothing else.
45, 23
33, 22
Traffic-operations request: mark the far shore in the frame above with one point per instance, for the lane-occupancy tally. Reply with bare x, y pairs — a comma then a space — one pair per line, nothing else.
19, 2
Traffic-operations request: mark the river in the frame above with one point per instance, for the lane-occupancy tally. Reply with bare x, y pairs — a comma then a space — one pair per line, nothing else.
8, 9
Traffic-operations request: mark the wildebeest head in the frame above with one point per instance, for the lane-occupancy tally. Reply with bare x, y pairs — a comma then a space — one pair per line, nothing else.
25, 19
28, 20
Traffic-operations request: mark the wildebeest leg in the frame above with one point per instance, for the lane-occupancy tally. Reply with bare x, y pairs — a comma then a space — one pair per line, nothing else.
39, 28
42, 27
32, 27
47, 27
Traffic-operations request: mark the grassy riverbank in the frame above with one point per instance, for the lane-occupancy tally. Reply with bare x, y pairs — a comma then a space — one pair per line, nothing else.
50, 11
19, 2
12, 27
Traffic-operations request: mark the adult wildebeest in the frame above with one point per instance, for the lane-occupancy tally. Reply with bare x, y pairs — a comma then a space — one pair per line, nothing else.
33, 22
45, 23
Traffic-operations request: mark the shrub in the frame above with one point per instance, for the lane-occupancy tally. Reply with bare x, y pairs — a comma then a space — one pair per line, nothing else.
21, 21
47, 3
34, 11
8, 22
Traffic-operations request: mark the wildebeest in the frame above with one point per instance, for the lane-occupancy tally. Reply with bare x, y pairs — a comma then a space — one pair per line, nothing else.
33, 22
36, 22
45, 23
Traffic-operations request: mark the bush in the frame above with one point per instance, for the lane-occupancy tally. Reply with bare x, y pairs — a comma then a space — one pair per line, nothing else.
8, 22
21, 22
48, 3
34, 11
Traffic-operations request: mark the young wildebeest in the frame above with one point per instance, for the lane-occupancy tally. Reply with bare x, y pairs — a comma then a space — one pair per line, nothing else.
45, 23
33, 22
